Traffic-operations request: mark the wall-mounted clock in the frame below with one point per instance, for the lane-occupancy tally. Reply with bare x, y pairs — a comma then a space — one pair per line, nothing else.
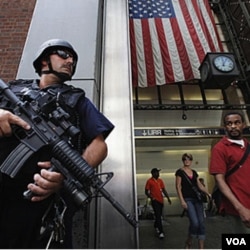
218, 70
224, 63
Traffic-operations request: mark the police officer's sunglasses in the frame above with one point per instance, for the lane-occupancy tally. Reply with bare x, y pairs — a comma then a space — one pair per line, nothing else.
63, 54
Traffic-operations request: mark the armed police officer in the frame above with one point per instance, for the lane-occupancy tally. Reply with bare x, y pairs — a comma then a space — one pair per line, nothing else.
21, 219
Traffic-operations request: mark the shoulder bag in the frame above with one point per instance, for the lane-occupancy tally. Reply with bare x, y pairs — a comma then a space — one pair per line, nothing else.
201, 196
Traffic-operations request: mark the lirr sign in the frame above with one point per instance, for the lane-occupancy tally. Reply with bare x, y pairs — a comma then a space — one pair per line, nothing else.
181, 132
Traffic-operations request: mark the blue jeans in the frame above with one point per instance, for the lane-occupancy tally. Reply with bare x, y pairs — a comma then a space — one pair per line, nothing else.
196, 219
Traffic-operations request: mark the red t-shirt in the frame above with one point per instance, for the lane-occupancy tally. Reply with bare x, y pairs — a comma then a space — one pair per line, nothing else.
225, 155
155, 187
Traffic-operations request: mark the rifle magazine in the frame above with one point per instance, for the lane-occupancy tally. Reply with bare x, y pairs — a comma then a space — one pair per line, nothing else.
15, 160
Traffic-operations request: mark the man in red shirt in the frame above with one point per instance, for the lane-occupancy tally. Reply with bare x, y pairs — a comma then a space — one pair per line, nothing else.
235, 188
155, 189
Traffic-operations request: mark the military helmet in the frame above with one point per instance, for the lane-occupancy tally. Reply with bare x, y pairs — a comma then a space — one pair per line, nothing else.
50, 45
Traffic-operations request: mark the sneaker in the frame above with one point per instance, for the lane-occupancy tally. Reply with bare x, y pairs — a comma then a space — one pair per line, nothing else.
161, 235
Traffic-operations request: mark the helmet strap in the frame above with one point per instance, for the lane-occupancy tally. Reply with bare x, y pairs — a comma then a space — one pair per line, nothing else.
62, 76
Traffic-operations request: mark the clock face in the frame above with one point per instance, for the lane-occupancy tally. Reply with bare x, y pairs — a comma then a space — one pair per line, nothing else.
204, 71
223, 63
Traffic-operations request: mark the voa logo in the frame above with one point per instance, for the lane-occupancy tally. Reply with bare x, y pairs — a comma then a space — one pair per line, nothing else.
236, 241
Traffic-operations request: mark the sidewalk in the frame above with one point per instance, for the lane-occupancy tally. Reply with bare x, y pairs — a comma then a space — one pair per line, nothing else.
176, 229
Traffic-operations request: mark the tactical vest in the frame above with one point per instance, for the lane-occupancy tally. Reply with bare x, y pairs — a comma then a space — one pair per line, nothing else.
67, 97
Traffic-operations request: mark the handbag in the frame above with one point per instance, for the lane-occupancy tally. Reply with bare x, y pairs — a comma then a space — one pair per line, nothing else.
201, 196
215, 202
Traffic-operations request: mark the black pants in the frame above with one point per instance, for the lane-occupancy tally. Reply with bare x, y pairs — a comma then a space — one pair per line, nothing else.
20, 223
158, 207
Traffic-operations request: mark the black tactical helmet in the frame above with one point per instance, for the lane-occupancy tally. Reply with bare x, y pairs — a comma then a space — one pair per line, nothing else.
51, 45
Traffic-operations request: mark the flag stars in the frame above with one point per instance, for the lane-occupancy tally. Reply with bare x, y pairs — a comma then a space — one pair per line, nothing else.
151, 9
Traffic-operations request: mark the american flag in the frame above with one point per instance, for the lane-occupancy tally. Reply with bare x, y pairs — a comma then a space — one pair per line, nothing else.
169, 39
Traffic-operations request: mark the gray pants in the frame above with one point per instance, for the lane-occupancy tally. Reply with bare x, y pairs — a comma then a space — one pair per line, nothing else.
237, 225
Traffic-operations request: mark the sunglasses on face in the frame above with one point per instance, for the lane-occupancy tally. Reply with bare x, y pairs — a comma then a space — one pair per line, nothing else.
63, 54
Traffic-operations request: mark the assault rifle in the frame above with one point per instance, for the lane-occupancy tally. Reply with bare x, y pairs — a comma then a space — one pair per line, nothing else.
49, 126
